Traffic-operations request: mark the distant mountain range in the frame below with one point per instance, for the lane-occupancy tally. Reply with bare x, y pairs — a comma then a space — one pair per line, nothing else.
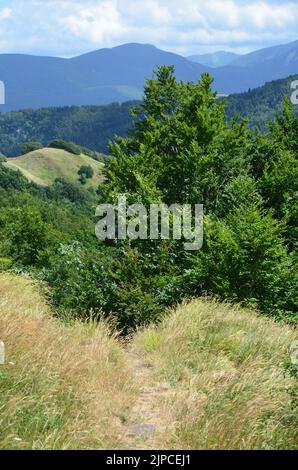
217, 59
119, 74
101, 77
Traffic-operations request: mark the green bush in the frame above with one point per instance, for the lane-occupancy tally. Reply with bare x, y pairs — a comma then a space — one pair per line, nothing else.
5, 263
30, 147
67, 146
85, 172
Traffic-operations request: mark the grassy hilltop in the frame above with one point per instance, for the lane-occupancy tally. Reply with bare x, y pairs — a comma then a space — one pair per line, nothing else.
45, 165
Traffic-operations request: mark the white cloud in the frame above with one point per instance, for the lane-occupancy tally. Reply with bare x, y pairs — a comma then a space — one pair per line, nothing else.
5, 13
98, 22
72, 26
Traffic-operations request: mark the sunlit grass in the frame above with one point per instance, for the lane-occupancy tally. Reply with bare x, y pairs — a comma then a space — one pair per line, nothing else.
45, 165
62, 387
226, 366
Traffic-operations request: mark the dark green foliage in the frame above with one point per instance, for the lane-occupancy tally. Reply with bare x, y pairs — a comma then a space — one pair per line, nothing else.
30, 147
87, 126
68, 191
245, 258
67, 146
85, 173
10, 179
262, 104
81, 280
182, 151
30, 239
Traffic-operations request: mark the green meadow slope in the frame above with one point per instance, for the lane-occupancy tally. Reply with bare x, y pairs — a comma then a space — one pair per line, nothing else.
45, 165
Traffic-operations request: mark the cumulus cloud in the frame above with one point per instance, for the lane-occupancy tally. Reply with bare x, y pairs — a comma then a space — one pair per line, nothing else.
97, 22
68, 27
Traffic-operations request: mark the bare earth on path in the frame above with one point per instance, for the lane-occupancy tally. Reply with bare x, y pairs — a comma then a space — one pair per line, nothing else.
147, 422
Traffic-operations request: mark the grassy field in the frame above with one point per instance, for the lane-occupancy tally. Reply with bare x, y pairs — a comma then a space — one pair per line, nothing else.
63, 386
223, 379
45, 165
210, 376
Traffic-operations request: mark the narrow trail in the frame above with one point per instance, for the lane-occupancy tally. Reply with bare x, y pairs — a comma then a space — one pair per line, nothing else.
148, 420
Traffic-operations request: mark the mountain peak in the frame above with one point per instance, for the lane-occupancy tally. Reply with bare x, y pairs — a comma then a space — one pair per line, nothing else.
122, 48
118, 74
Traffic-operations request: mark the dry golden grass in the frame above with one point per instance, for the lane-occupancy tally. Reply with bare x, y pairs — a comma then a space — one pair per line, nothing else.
62, 386
210, 376
228, 385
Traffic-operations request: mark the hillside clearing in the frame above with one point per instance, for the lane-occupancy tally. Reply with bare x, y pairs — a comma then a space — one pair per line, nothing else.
45, 165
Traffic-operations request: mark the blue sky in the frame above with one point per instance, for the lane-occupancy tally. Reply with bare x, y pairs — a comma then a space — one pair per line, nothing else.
70, 27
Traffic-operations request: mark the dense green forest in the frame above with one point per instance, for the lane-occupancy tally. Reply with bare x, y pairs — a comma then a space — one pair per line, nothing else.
262, 104
180, 149
94, 126
88, 126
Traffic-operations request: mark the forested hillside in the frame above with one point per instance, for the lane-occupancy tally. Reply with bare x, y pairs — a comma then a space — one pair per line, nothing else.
261, 104
89, 126
94, 126
180, 150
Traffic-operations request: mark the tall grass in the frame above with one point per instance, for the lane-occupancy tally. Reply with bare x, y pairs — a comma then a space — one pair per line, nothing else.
62, 387
226, 369
217, 379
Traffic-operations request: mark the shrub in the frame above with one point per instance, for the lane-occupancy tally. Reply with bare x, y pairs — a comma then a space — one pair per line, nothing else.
85, 173
67, 146
30, 147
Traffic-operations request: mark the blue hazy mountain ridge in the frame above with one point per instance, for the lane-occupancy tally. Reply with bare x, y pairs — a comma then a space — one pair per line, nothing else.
256, 68
283, 54
118, 74
100, 77
215, 59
